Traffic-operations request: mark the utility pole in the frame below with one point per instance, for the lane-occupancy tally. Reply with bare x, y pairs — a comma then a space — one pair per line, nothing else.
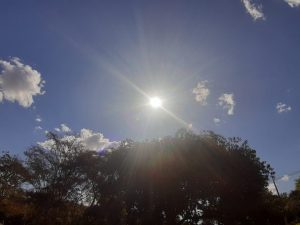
285, 218
273, 179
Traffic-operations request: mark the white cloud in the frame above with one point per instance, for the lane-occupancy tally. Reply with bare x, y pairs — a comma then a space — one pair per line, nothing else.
19, 82
190, 126
217, 121
254, 10
38, 128
38, 119
65, 128
201, 92
285, 178
48, 144
89, 139
227, 101
281, 107
272, 189
293, 3
93, 140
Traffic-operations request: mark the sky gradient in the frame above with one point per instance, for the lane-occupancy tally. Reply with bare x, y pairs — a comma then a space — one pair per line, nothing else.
232, 67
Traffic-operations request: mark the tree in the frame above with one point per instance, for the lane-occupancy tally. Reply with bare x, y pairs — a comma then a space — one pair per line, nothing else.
185, 180
297, 184
60, 179
12, 175
293, 204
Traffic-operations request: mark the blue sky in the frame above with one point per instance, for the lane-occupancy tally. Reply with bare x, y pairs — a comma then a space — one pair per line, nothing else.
96, 57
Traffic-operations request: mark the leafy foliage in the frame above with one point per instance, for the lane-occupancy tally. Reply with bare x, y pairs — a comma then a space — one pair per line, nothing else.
185, 179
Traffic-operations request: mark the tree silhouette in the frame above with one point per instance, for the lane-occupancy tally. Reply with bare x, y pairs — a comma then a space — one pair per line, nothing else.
297, 184
12, 176
185, 179
293, 204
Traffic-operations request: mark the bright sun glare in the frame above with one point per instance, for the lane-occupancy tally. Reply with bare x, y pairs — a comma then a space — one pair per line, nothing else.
155, 102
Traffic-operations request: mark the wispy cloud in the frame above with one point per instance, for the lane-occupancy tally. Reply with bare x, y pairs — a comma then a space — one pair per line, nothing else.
19, 82
254, 10
38, 128
227, 101
38, 119
293, 3
217, 121
285, 178
281, 107
63, 128
201, 92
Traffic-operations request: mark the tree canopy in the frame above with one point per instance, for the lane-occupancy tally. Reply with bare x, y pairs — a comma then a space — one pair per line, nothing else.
185, 179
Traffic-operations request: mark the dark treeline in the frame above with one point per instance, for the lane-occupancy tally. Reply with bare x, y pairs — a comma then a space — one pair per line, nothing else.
185, 179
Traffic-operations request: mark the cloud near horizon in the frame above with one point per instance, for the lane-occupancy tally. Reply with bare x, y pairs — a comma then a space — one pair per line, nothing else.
94, 141
227, 101
63, 128
91, 140
19, 82
254, 10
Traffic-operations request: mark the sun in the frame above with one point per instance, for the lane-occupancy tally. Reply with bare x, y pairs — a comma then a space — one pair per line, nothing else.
155, 102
